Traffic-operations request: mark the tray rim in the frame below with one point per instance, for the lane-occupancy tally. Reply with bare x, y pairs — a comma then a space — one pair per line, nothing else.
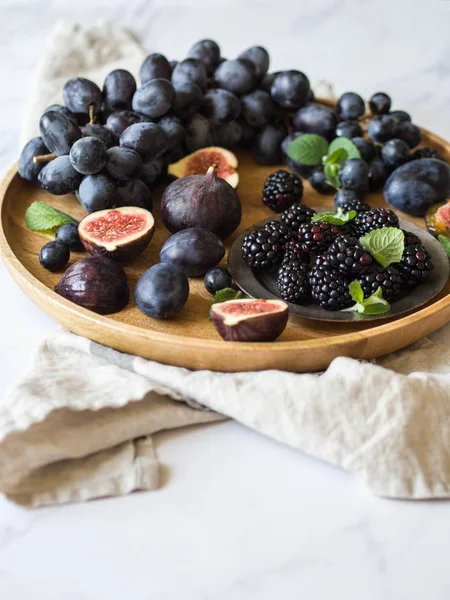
440, 309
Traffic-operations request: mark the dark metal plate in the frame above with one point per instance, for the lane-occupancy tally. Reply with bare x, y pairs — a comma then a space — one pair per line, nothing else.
262, 284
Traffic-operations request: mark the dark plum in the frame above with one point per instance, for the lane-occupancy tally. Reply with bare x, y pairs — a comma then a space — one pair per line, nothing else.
88, 155
266, 147
380, 104
147, 139
161, 291
217, 279
316, 118
417, 185
394, 153
208, 52
220, 106
103, 134
193, 250
354, 175
318, 181
290, 89
228, 135
259, 57
54, 256
378, 173
173, 129
68, 235
80, 94
154, 98
190, 70
97, 192
198, 133
118, 121
237, 76
409, 133
343, 197
350, 106
118, 90
59, 177
61, 109
349, 129
155, 66
366, 148
258, 108
134, 193
382, 128
58, 132
123, 164
27, 168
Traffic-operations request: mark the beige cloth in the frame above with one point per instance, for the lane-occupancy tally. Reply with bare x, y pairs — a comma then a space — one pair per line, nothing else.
79, 424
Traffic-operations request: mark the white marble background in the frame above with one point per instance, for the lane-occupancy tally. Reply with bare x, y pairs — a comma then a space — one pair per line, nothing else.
240, 516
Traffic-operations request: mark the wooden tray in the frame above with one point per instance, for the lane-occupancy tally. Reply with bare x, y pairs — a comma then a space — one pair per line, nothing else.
190, 340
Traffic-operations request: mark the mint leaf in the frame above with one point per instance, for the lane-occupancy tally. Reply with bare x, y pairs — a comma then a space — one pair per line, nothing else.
345, 144
385, 245
308, 149
373, 305
445, 242
227, 294
338, 157
334, 218
44, 218
332, 174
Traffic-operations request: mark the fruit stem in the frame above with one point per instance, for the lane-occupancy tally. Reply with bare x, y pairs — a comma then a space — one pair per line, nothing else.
43, 158
91, 114
212, 169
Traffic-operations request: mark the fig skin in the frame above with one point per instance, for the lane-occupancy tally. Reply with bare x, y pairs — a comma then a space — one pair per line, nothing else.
193, 250
96, 283
253, 324
205, 201
124, 250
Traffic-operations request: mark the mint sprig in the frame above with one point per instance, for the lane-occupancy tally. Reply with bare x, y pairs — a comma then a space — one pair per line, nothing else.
343, 143
445, 243
308, 149
335, 218
332, 174
45, 219
373, 305
228, 294
385, 245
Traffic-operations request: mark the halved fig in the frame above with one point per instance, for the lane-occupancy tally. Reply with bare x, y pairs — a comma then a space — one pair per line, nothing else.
199, 162
250, 320
437, 219
119, 233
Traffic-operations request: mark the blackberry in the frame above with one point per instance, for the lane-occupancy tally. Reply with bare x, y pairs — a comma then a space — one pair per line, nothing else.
329, 288
296, 215
316, 237
294, 251
348, 256
388, 279
426, 152
292, 282
262, 249
281, 190
411, 238
375, 219
415, 265
357, 205
277, 227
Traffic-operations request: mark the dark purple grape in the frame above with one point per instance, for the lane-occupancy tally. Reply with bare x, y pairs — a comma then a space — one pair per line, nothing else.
147, 139
267, 81
382, 128
123, 164
174, 130
354, 175
345, 197
290, 89
394, 153
118, 90
62, 109
318, 181
348, 129
258, 108
378, 174
68, 235
198, 133
409, 133
154, 98
316, 118
134, 193
237, 76
208, 52
80, 93
400, 115
58, 132
97, 192
259, 57
155, 66
366, 148
103, 134
173, 155
27, 168
220, 106
59, 177
188, 98
266, 147
350, 106
227, 135
149, 173
54, 256
190, 70
380, 104
173, 64
248, 133
88, 155
289, 139
298, 168
118, 121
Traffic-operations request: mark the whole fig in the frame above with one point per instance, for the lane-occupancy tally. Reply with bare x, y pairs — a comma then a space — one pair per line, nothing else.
205, 201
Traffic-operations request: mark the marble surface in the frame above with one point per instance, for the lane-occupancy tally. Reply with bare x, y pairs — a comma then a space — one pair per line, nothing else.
240, 517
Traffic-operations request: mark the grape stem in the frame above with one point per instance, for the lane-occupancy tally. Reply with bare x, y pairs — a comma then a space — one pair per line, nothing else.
91, 114
43, 158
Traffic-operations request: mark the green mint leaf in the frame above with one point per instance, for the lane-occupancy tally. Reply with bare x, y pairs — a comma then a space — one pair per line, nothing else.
44, 218
227, 294
356, 291
308, 149
373, 305
445, 242
385, 245
332, 174
338, 157
347, 145
334, 218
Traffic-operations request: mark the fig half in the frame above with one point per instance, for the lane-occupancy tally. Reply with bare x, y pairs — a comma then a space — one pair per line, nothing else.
198, 162
250, 320
118, 233
437, 219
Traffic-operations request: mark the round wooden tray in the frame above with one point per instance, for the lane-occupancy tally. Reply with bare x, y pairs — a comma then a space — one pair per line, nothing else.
190, 340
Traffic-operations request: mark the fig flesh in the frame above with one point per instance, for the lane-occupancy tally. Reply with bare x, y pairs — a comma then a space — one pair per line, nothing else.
121, 233
437, 219
205, 201
96, 283
198, 162
250, 320
193, 250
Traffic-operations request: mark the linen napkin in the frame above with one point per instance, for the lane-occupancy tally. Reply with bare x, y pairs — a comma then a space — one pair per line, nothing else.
79, 424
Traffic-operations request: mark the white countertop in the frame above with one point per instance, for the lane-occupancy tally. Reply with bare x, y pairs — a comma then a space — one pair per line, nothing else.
240, 517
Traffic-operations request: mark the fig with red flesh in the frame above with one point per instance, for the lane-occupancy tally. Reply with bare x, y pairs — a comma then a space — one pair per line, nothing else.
96, 283
437, 219
198, 162
118, 233
250, 320
205, 201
